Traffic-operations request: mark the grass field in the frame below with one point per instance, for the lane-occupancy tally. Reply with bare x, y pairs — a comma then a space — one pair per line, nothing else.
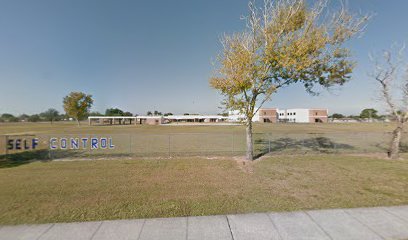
133, 187
72, 128
219, 140
94, 190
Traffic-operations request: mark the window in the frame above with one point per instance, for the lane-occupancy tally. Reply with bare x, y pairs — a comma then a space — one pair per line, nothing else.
294, 113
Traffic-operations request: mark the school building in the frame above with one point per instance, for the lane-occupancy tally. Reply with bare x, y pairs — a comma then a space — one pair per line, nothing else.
294, 115
154, 120
303, 115
263, 115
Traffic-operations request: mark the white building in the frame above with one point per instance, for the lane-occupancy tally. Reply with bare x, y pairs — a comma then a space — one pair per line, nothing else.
262, 115
302, 115
235, 116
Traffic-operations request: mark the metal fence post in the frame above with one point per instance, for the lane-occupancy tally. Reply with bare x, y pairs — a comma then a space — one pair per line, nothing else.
232, 139
130, 143
48, 147
90, 146
6, 145
168, 145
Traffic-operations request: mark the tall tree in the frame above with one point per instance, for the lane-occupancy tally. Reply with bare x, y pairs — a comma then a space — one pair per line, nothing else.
77, 105
23, 117
114, 112
7, 117
387, 73
369, 113
337, 115
50, 115
96, 113
34, 118
284, 42
157, 113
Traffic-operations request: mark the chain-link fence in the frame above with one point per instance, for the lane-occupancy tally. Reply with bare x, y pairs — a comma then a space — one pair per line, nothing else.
93, 146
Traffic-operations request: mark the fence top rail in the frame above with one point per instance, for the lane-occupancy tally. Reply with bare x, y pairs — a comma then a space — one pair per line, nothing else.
272, 134
18, 135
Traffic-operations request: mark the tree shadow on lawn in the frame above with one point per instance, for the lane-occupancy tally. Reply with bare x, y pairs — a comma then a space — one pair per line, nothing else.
315, 144
385, 147
17, 159
45, 155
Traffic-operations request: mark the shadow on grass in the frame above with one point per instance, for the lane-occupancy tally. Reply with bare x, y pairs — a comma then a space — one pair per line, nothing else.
17, 159
315, 144
404, 148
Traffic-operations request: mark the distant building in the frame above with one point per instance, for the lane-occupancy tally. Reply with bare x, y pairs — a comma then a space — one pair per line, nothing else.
195, 118
273, 115
266, 115
154, 120
303, 115
235, 116
263, 115
344, 120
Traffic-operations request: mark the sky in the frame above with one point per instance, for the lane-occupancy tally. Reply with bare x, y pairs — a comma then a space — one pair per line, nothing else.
155, 55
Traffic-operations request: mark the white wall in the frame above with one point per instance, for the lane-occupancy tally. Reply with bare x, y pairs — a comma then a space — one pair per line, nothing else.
236, 116
297, 115
255, 118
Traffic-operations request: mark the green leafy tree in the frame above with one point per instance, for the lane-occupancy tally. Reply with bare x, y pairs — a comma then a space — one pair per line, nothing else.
77, 105
63, 116
157, 113
7, 117
50, 115
23, 117
285, 42
149, 113
128, 114
337, 115
34, 118
113, 112
369, 113
95, 114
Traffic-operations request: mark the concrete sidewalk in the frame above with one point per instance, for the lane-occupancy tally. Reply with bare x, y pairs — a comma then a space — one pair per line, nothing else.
359, 223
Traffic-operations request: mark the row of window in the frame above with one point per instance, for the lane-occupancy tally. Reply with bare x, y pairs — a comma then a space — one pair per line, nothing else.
289, 114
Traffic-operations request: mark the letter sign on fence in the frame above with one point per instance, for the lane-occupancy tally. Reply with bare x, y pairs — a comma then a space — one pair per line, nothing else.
22, 144
85, 143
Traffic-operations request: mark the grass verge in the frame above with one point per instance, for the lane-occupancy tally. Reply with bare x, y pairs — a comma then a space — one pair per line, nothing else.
43, 192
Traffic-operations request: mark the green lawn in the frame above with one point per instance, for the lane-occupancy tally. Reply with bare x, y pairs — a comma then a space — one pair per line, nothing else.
177, 140
59, 191
281, 128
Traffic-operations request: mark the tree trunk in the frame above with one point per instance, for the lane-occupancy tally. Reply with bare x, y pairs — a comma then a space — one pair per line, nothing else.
250, 146
78, 122
393, 151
